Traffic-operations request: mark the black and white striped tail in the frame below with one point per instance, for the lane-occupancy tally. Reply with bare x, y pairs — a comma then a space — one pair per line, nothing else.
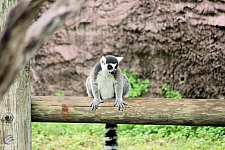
111, 137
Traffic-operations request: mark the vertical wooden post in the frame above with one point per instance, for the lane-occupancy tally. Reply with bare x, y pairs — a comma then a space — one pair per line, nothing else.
5, 7
15, 108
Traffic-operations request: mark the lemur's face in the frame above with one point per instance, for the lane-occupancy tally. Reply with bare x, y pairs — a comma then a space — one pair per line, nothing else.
110, 64
112, 68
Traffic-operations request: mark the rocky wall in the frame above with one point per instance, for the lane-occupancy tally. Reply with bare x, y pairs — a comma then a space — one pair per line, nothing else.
180, 43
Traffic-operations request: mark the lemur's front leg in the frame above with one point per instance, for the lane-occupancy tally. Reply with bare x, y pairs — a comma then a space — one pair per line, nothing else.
96, 94
119, 93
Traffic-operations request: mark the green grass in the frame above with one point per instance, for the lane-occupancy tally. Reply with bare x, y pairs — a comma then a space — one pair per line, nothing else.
55, 136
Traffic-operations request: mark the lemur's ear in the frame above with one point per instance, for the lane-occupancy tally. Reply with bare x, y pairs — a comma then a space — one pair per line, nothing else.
103, 60
119, 59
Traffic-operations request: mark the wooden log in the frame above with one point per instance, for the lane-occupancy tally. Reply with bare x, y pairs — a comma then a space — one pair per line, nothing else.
152, 111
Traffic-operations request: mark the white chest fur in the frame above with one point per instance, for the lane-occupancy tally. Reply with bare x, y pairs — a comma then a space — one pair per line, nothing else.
106, 84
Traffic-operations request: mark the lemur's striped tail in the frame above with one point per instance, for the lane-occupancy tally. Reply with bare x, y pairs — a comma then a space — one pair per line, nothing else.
111, 137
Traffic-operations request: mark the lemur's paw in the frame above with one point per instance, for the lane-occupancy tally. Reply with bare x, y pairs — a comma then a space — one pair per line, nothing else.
94, 104
121, 105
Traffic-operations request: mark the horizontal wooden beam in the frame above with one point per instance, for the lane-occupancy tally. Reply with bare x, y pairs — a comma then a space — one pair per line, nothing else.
152, 111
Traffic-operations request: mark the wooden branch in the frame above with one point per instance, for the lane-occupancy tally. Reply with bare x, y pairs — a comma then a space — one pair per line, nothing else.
153, 111
12, 41
17, 43
50, 21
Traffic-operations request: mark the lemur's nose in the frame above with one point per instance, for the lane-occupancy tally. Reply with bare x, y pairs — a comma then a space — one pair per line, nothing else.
113, 72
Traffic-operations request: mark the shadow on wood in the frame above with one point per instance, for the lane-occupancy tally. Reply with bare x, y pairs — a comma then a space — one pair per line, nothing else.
152, 111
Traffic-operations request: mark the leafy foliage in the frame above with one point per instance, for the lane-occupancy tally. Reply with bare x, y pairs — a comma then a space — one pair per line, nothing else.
169, 93
138, 86
59, 94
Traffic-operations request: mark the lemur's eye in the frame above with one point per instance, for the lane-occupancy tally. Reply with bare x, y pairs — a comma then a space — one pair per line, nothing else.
110, 67
116, 66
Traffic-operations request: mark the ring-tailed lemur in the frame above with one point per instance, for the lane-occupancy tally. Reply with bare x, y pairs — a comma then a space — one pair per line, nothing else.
106, 80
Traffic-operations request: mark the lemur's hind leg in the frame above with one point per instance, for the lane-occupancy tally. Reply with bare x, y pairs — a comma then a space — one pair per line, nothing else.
126, 86
88, 87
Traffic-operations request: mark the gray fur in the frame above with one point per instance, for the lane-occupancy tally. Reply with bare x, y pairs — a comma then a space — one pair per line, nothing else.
126, 87
97, 68
111, 59
101, 84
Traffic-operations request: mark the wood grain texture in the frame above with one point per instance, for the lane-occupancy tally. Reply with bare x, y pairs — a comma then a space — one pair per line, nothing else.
16, 135
152, 111
15, 106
